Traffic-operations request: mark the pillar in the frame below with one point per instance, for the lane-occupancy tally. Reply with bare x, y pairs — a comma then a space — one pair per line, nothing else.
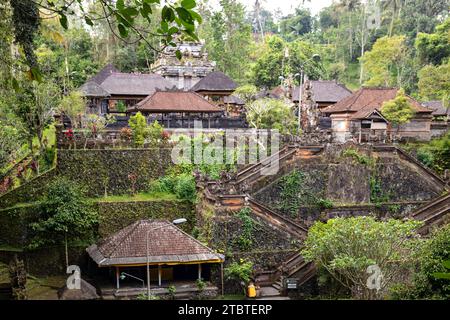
117, 278
199, 271
159, 275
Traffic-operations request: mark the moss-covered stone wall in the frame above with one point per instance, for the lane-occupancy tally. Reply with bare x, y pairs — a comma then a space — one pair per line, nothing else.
110, 171
114, 216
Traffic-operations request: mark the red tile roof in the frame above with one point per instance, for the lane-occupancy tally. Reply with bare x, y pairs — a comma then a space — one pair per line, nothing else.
167, 245
366, 100
175, 101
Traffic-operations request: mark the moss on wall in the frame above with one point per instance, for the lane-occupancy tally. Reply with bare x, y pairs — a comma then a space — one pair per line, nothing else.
29, 191
114, 216
109, 170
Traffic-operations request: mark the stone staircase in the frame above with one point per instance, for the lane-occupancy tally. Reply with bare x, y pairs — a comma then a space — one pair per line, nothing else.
433, 214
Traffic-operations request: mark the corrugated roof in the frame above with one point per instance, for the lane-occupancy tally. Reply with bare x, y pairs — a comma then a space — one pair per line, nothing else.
167, 244
175, 101
438, 108
366, 100
215, 81
324, 91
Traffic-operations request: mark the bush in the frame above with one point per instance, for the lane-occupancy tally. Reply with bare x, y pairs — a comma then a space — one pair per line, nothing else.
426, 157
182, 185
431, 257
239, 271
185, 188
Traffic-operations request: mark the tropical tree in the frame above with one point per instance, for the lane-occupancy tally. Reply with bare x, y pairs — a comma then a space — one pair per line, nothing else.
435, 47
385, 63
272, 114
354, 250
66, 216
429, 281
399, 110
229, 39
34, 105
73, 106
434, 82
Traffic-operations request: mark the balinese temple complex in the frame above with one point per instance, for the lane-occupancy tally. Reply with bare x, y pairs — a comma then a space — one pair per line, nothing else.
208, 94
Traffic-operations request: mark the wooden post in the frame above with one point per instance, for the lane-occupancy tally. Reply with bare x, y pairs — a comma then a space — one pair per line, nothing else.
221, 276
159, 275
117, 278
199, 271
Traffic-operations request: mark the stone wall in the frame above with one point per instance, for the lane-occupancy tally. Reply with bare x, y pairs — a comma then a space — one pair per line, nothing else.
114, 216
15, 230
109, 170
373, 179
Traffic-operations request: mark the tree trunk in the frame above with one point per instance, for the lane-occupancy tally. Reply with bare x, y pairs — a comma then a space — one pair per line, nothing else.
66, 250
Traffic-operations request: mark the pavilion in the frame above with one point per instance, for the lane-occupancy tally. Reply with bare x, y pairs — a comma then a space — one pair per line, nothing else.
179, 109
172, 254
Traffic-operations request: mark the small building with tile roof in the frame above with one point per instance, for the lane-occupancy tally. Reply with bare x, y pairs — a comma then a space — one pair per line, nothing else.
324, 93
441, 117
170, 253
110, 90
215, 87
359, 117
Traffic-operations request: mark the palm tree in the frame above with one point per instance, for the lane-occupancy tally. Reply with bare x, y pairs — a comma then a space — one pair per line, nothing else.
396, 7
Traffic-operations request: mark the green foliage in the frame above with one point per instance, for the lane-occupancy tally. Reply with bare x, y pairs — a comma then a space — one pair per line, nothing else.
426, 157
73, 105
138, 125
239, 271
182, 185
121, 107
357, 156
377, 194
11, 140
228, 39
201, 285
272, 114
434, 154
399, 110
154, 133
272, 63
385, 63
432, 259
435, 47
346, 247
245, 238
246, 92
291, 186
434, 83
172, 290
65, 213
144, 296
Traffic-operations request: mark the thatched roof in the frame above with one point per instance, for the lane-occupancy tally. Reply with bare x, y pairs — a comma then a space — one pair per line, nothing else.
175, 101
167, 245
215, 81
92, 89
438, 108
109, 81
324, 92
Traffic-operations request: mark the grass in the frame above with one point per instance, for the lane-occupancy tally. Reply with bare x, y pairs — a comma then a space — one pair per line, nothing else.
154, 196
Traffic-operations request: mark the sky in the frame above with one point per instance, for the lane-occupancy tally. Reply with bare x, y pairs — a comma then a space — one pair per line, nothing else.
286, 6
